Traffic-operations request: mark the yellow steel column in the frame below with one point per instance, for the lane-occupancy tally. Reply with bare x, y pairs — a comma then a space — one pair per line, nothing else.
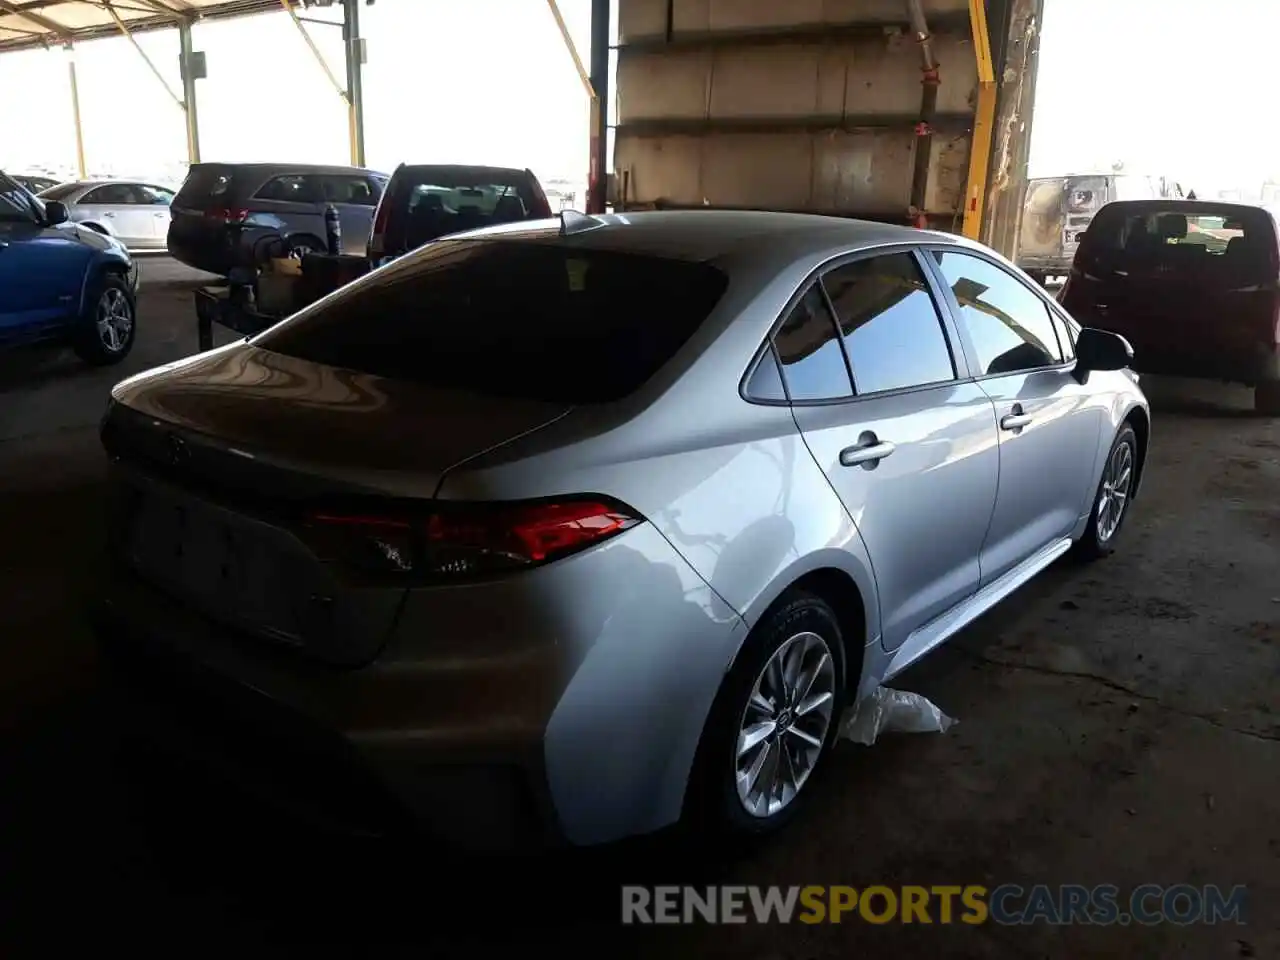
983, 124
75, 112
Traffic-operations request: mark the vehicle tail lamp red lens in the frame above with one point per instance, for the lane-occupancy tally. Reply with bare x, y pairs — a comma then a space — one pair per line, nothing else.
228, 214
473, 539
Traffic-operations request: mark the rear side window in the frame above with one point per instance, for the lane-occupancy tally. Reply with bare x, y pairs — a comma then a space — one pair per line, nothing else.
537, 321
808, 346
292, 188
351, 188
114, 193
1008, 324
891, 327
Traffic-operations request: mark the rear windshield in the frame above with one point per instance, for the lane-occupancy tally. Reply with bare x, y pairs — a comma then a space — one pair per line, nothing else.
508, 318
204, 182
1236, 244
431, 202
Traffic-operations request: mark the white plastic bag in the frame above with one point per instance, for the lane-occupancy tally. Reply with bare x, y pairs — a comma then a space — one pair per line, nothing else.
892, 711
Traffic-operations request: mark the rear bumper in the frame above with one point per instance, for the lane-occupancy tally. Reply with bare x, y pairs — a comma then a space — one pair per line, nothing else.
213, 253
494, 719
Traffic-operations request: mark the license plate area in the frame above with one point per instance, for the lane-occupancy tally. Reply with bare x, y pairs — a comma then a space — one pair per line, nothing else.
225, 565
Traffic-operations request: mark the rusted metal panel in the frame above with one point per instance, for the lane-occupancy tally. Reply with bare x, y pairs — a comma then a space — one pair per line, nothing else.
862, 78
865, 173
640, 19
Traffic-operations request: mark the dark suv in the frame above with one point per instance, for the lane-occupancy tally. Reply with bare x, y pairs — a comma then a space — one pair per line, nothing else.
425, 202
225, 212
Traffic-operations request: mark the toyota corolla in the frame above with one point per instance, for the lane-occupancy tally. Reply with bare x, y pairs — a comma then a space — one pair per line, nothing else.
575, 529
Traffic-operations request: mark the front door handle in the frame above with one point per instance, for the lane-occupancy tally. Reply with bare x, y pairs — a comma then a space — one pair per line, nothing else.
1015, 421
866, 453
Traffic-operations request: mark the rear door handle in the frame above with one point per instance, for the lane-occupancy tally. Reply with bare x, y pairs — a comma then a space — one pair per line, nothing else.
1015, 421
867, 453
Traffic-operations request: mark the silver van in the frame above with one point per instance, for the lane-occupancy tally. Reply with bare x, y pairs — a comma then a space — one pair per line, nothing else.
1058, 210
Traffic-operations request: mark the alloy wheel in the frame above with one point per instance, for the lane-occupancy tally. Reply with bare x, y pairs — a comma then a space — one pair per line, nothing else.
1117, 481
785, 724
114, 319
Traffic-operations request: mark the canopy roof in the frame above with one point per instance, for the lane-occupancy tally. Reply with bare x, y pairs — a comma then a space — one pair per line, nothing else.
49, 23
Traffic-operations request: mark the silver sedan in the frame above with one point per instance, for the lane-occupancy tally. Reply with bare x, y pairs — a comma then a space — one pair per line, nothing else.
582, 527
135, 213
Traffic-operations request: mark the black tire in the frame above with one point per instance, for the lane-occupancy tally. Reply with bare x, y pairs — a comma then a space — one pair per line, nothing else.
91, 343
1266, 398
1093, 545
714, 808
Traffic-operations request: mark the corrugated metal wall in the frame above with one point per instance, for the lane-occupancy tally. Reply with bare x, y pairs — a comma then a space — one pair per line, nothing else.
790, 104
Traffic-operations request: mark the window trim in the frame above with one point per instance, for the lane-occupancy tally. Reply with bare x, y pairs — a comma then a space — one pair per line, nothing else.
954, 308
960, 358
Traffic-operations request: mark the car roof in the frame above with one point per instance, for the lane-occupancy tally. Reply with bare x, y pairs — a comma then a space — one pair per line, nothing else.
288, 167
468, 169
1186, 206
715, 235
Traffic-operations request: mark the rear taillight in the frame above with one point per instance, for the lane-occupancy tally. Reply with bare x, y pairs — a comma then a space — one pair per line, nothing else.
227, 214
466, 540
378, 234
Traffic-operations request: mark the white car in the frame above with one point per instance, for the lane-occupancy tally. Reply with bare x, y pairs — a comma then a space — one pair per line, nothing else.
135, 213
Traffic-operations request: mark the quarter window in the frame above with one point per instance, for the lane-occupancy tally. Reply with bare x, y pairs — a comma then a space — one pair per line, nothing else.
890, 324
766, 382
809, 350
1008, 324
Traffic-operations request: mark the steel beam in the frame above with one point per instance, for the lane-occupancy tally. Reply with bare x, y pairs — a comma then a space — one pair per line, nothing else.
189, 92
124, 29
983, 124
354, 48
598, 174
75, 111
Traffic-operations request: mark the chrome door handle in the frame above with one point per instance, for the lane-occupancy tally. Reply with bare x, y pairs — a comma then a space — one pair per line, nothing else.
868, 453
108, 214
1015, 421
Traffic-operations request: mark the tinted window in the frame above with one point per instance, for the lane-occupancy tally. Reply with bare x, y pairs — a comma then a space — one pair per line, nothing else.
115, 193
288, 189
430, 202
809, 348
891, 328
531, 320
156, 196
205, 182
348, 189
1008, 323
766, 382
15, 205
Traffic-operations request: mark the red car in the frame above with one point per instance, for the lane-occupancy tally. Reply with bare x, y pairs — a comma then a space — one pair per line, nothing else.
1193, 285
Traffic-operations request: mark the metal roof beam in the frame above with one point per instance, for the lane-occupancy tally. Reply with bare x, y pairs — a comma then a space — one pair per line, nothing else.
43, 22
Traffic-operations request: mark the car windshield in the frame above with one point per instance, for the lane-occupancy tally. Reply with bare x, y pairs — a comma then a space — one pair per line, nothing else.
507, 318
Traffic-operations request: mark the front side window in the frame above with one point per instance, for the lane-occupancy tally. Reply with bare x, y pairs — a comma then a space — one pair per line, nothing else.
1007, 323
15, 205
156, 196
891, 327
808, 346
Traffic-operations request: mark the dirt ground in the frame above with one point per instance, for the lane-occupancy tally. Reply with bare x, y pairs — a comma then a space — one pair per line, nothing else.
1118, 724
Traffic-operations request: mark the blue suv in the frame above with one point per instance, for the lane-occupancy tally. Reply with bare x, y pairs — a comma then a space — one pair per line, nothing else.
61, 283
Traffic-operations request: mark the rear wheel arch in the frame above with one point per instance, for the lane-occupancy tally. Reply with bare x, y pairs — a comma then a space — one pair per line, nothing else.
1140, 421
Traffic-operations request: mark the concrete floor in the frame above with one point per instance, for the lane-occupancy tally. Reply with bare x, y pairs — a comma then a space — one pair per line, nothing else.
1118, 724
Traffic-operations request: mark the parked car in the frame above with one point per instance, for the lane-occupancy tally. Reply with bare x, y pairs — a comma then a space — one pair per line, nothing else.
62, 283
1058, 211
1193, 284
577, 529
224, 211
135, 213
424, 203
34, 183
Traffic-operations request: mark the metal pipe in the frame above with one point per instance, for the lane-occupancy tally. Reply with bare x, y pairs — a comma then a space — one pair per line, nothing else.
929, 82
572, 48
355, 79
189, 92
598, 177
983, 125
143, 54
315, 51
75, 112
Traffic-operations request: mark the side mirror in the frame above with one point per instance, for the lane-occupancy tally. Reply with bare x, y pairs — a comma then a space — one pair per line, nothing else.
55, 212
1101, 350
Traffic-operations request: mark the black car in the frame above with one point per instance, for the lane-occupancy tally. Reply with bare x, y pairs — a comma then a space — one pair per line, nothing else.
226, 212
34, 183
425, 202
